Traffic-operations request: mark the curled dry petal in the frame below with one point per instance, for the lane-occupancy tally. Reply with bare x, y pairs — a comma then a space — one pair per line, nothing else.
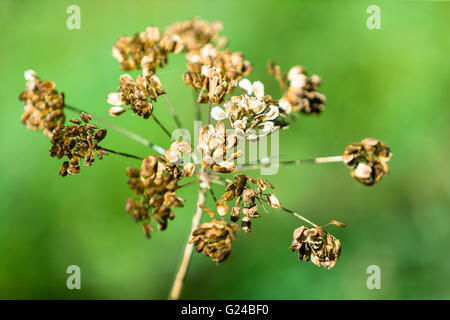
273, 201
116, 111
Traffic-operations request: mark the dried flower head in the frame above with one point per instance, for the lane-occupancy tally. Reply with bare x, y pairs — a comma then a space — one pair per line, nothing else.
136, 94
195, 33
246, 198
141, 50
150, 49
154, 185
368, 160
250, 111
214, 145
43, 105
316, 245
214, 72
75, 142
214, 239
300, 90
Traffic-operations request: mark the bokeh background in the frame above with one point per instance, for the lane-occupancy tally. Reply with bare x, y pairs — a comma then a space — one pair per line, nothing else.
392, 84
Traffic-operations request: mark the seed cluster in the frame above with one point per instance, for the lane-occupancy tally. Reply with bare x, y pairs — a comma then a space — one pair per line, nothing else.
154, 185
75, 142
136, 94
43, 105
246, 198
300, 90
214, 72
147, 50
316, 245
214, 239
248, 112
194, 34
214, 143
367, 160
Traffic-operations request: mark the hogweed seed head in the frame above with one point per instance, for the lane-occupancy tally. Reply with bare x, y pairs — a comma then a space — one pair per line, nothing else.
136, 94
194, 34
300, 90
76, 142
43, 105
154, 185
367, 160
214, 145
214, 72
246, 198
214, 239
316, 245
249, 111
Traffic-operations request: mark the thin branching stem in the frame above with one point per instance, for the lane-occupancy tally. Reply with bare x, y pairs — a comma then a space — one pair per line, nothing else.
299, 216
123, 131
187, 253
209, 113
167, 132
197, 106
123, 154
291, 162
173, 111
212, 194
187, 183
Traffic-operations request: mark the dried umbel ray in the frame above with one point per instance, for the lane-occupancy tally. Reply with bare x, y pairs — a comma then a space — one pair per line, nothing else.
214, 73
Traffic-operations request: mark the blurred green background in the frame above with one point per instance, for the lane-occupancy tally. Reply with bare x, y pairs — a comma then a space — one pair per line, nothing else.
392, 84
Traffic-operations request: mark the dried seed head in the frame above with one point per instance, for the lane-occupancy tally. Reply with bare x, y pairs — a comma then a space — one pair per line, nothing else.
78, 141
316, 245
136, 94
214, 72
141, 50
367, 160
43, 105
300, 91
195, 33
214, 239
154, 185
248, 112
214, 145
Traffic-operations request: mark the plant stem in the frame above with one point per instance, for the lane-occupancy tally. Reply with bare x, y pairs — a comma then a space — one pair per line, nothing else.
299, 216
197, 106
123, 131
185, 261
187, 183
292, 212
167, 132
291, 162
121, 153
209, 112
173, 111
212, 194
